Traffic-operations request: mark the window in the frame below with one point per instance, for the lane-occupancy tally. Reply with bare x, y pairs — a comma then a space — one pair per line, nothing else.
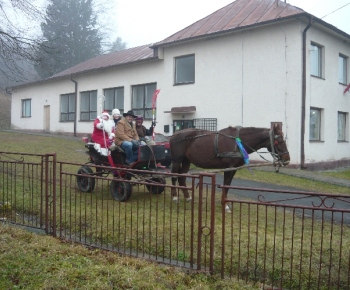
142, 100
182, 124
315, 124
114, 99
88, 105
67, 108
27, 108
184, 69
316, 60
342, 75
342, 126
209, 124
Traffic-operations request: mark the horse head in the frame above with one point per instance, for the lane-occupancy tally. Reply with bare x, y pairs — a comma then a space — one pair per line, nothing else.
278, 145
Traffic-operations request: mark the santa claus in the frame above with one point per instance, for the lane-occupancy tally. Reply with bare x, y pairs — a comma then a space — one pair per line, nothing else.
103, 133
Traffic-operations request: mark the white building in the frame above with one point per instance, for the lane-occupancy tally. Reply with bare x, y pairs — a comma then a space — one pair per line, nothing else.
251, 63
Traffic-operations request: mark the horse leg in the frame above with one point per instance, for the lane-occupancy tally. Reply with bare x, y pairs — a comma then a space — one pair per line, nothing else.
182, 180
228, 176
176, 167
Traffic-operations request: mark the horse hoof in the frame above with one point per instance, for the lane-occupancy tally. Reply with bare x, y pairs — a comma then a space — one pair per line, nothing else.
227, 209
175, 199
189, 199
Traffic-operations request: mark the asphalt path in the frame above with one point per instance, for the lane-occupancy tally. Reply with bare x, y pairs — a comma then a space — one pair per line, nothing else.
328, 207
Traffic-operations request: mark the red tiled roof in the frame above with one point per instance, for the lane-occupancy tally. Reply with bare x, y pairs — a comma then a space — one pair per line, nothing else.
238, 14
121, 57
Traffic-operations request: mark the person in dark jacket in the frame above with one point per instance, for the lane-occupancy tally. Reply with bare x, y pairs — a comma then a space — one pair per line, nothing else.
143, 132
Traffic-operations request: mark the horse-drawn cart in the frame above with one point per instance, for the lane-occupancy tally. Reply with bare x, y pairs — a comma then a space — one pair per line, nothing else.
114, 161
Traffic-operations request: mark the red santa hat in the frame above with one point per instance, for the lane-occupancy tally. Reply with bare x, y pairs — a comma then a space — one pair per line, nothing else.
105, 113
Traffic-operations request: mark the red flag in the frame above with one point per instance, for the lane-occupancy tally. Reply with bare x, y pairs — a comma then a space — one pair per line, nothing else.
347, 89
154, 98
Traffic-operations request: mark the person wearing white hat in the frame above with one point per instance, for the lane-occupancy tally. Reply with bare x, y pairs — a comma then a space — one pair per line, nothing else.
113, 122
115, 116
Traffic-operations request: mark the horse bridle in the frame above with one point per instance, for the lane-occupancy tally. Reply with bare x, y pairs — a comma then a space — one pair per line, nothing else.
274, 141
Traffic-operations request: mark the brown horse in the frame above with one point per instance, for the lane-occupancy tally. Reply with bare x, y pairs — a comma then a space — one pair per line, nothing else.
216, 150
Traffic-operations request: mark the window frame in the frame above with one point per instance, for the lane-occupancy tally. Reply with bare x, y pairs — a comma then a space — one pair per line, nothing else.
319, 57
179, 124
178, 68
92, 106
209, 124
147, 91
318, 127
24, 108
343, 69
69, 112
118, 93
344, 136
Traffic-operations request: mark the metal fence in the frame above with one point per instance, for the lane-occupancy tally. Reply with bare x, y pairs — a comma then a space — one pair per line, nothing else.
281, 239
287, 239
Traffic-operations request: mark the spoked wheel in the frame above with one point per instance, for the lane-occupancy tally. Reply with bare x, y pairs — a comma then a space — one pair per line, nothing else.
157, 188
85, 184
120, 190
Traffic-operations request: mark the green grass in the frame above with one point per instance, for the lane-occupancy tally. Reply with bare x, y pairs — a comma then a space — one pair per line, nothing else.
343, 174
302, 183
32, 261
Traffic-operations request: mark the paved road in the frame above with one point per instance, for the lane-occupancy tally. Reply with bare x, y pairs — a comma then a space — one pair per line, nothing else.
299, 198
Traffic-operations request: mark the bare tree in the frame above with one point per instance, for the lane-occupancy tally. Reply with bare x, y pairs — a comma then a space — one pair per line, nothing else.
17, 46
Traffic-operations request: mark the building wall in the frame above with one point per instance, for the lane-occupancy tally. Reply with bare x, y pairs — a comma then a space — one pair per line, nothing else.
250, 78
326, 93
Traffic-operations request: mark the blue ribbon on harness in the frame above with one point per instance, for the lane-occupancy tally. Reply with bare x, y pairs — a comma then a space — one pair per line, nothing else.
242, 150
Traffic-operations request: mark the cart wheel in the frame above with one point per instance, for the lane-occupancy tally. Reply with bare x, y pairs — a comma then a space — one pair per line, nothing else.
85, 184
156, 189
120, 190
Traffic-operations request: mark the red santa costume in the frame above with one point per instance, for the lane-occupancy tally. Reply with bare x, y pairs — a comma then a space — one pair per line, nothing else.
103, 133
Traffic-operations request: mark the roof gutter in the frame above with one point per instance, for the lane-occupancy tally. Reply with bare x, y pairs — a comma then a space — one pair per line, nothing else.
75, 104
303, 99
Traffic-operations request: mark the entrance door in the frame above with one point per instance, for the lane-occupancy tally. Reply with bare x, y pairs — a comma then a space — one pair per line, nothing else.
182, 124
46, 118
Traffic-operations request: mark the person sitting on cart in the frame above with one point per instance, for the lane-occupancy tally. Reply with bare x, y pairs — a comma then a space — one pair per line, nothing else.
102, 134
127, 138
116, 116
143, 132
115, 119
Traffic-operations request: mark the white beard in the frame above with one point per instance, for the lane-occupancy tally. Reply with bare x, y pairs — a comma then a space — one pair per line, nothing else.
107, 126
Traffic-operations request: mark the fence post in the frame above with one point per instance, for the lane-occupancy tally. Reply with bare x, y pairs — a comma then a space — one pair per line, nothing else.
200, 215
54, 207
212, 220
48, 195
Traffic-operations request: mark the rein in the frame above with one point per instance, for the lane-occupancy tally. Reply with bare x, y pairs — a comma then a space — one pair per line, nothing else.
274, 151
275, 156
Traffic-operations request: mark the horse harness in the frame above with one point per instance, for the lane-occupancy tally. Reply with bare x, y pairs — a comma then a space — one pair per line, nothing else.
233, 154
236, 153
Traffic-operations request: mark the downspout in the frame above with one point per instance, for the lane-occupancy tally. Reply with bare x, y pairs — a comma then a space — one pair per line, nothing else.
75, 100
303, 99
